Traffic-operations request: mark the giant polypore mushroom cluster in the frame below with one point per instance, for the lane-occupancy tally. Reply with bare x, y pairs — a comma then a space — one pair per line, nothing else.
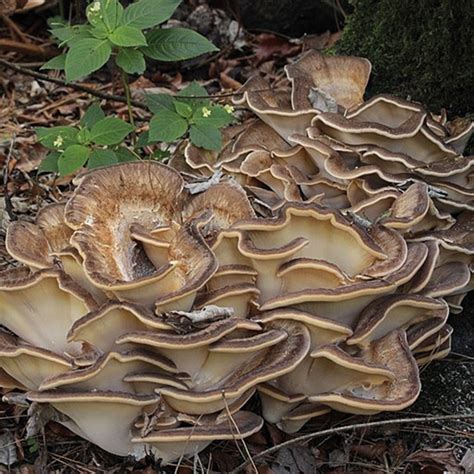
318, 274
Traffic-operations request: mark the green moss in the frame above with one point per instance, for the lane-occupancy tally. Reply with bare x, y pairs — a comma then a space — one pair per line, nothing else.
421, 49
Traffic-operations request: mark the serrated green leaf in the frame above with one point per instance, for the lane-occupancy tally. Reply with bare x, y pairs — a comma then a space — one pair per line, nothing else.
176, 44
94, 13
57, 138
73, 158
127, 36
218, 117
205, 136
99, 31
112, 13
107, 13
147, 13
86, 56
93, 115
131, 61
110, 131
50, 163
102, 158
124, 155
183, 109
167, 126
59, 62
63, 33
158, 102
71, 34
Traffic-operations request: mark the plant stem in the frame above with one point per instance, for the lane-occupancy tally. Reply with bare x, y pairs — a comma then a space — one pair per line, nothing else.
128, 96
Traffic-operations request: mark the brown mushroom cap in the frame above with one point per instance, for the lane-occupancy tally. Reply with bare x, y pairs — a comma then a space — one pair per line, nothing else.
104, 417
393, 312
274, 107
109, 371
391, 351
34, 244
29, 365
174, 443
257, 365
295, 419
26, 299
344, 78
102, 327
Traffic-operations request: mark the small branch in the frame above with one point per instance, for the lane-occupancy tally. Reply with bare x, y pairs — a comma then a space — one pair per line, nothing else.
341, 429
25, 48
6, 175
128, 96
72, 85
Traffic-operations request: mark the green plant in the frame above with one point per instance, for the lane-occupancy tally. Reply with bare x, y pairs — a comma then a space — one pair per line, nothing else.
97, 141
128, 34
189, 112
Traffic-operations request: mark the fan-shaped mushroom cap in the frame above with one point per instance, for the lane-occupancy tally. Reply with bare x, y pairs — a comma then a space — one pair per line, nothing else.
102, 327
276, 403
400, 391
27, 364
104, 417
254, 365
188, 351
123, 246
460, 132
322, 331
440, 352
173, 443
106, 204
435, 347
329, 369
390, 313
41, 307
34, 244
344, 304
7, 382
223, 368
448, 279
225, 202
109, 371
344, 78
411, 138
295, 419
275, 108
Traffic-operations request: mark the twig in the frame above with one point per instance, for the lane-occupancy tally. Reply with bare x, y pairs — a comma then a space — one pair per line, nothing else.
6, 175
72, 85
25, 48
236, 427
14, 28
128, 96
104, 95
355, 426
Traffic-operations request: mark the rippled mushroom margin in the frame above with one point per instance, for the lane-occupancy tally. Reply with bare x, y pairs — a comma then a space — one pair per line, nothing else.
319, 273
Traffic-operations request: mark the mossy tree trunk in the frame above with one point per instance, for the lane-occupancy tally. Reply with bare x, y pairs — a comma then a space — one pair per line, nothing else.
418, 48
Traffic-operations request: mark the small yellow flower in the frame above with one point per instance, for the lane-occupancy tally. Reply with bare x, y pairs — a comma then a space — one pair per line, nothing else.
229, 109
58, 142
205, 112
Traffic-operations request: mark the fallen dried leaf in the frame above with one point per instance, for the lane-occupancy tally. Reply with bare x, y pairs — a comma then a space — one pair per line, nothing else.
440, 459
269, 45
